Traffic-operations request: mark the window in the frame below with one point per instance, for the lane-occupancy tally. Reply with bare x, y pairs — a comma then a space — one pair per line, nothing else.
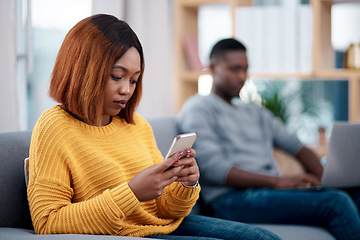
50, 20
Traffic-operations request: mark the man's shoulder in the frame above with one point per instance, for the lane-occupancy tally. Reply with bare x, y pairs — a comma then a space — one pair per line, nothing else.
198, 99
198, 102
254, 108
196, 108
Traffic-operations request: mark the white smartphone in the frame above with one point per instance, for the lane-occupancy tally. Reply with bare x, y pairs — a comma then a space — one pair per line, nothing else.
181, 143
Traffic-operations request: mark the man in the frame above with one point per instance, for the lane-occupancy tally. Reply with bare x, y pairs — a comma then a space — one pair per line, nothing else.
239, 177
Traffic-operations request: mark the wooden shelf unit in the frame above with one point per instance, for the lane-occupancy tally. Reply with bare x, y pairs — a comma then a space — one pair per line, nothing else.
186, 22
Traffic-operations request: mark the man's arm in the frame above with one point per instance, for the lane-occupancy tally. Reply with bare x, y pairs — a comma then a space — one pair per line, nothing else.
237, 177
200, 118
291, 144
310, 161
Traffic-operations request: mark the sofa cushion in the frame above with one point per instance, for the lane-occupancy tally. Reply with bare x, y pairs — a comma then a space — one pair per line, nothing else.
295, 232
14, 208
23, 234
165, 129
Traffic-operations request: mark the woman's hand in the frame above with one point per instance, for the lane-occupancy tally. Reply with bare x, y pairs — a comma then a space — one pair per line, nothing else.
189, 173
149, 183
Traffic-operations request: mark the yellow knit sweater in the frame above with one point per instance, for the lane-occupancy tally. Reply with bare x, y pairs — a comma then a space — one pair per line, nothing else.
79, 174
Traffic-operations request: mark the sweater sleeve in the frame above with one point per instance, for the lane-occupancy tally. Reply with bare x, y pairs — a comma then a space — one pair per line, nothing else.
281, 137
50, 194
176, 200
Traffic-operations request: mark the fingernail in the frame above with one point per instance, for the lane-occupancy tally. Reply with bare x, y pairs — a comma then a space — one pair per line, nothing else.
175, 163
179, 154
188, 151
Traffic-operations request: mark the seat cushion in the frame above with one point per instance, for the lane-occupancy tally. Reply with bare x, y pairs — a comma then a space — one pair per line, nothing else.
295, 232
23, 234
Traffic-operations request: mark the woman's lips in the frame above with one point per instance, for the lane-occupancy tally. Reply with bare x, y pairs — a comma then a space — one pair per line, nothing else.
121, 103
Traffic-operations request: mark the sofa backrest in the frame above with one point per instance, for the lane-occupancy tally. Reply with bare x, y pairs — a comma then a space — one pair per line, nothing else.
14, 208
165, 129
14, 148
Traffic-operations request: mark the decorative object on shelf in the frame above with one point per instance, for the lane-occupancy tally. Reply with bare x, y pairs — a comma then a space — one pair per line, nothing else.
352, 59
345, 29
191, 51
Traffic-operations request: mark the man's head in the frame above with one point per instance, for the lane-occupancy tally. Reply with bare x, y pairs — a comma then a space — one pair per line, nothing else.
228, 65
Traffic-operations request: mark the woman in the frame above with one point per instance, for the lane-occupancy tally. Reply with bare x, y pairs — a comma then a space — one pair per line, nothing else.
94, 164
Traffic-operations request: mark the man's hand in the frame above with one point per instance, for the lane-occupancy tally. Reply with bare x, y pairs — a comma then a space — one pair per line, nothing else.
303, 181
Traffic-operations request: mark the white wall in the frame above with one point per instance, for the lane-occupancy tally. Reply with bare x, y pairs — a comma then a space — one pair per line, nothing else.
152, 21
8, 102
112, 7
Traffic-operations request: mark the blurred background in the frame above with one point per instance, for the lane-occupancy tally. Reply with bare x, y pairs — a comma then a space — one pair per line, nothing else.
277, 33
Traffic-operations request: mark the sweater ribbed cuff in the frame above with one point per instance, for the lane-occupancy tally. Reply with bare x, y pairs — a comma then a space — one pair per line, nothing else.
125, 199
183, 192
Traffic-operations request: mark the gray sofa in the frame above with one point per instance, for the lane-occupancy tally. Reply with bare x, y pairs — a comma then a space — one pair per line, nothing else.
15, 222
165, 129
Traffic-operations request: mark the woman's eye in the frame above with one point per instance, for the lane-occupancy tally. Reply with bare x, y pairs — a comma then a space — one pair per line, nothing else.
132, 81
116, 78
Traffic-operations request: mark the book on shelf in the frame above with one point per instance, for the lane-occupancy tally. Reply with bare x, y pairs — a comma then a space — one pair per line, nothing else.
249, 23
305, 38
191, 51
272, 46
288, 39
278, 39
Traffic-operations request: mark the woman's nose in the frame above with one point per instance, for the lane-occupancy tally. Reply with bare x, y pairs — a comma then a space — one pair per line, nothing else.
124, 87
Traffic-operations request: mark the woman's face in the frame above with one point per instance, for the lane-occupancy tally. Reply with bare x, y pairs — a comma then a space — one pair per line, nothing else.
121, 84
